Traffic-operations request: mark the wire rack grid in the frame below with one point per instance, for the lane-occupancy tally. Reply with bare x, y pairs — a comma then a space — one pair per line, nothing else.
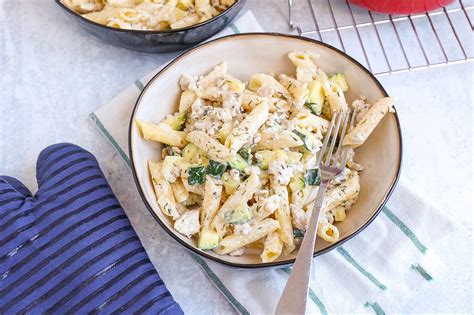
388, 44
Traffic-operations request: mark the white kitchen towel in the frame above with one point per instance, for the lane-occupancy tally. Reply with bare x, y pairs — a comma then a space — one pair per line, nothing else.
394, 257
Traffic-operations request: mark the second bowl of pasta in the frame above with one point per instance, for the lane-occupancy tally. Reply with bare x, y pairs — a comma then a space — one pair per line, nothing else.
154, 26
224, 149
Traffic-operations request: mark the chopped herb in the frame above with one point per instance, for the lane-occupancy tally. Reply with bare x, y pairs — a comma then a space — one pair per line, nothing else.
298, 233
246, 154
312, 177
215, 169
299, 134
196, 175
170, 151
308, 139
315, 108
243, 176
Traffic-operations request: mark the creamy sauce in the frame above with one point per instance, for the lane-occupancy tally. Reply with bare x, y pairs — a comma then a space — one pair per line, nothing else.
188, 223
272, 203
243, 228
282, 172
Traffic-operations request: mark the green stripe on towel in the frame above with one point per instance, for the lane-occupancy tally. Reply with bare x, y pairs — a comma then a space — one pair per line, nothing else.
357, 266
405, 229
422, 272
312, 295
219, 284
234, 28
377, 309
109, 137
214, 278
139, 85
318, 302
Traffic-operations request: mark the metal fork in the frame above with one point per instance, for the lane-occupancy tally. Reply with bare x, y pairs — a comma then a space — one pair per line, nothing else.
295, 294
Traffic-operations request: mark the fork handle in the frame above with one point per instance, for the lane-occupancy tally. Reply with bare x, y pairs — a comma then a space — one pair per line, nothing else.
295, 294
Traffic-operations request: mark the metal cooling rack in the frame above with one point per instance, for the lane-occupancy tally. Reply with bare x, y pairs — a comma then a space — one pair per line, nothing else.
388, 44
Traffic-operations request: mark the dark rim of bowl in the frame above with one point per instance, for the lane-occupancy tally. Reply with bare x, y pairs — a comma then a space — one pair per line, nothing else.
276, 263
69, 10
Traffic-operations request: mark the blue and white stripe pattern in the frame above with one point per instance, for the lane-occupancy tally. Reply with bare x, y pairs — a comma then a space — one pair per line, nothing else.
70, 248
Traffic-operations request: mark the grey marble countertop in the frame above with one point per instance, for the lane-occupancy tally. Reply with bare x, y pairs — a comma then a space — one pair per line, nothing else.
53, 75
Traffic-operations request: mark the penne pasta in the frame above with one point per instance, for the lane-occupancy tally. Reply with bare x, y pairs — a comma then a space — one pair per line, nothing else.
211, 202
251, 100
266, 208
161, 133
328, 232
209, 79
208, 237
278, 140
104, 16
272, 247
335, 97
180, 192
163, 191
187, 99
235, 241
239, 197
337, 195
245, 131
348, 190
370, 120
306, 70
305, 120
213, 148
267, 86
283, 216
203, 8
298, 89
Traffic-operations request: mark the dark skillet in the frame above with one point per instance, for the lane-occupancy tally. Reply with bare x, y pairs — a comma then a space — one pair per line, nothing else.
158, 41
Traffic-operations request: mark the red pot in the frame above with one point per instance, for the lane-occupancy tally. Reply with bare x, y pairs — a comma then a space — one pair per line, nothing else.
401, 6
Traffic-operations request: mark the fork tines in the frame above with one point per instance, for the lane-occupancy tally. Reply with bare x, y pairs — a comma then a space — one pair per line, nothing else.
337, 127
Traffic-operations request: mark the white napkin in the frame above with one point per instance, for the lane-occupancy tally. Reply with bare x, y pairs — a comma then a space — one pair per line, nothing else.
391, 259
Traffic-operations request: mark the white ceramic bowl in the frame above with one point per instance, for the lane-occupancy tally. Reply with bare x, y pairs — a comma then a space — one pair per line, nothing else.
247, 54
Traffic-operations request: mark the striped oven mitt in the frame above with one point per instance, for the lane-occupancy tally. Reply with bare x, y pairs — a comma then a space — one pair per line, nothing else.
70, 247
